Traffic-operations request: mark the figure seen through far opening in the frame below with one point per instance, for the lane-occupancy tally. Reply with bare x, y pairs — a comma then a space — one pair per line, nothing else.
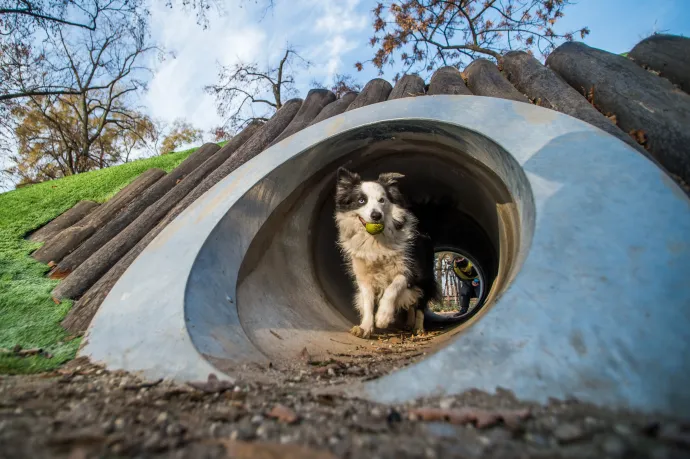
469, 281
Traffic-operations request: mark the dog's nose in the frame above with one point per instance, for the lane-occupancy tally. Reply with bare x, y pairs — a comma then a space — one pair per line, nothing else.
376, 215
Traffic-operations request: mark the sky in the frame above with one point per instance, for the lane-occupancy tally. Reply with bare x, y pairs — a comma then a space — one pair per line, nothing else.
333, 35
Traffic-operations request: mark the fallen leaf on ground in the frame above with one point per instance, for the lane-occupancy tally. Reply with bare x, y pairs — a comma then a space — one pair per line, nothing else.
212, 385
257, 450
283, 414
304, 356
481, 418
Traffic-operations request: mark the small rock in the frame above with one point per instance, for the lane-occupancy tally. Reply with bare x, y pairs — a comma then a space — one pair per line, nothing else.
614, 446
154, 442
568, 433
622, 429
119, 424
108, 427
257, 419
446, 403
244, 431
174, 430
264, 431
162, 418
536, 439
590, 421
376, 412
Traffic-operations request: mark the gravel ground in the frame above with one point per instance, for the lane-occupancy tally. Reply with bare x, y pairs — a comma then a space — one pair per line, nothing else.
84, 411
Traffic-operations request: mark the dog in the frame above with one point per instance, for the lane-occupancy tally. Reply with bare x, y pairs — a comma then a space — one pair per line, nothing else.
394, 268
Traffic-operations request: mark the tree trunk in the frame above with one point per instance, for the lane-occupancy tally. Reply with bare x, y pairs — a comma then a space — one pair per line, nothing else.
447, 80
69, 239
667, 54
484, 79
130, 212
316, 100
65, 220
640, 100
374, 92
336, 108
107, 256
407, 86
549, 90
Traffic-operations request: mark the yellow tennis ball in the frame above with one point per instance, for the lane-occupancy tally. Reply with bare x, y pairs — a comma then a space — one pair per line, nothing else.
374, 228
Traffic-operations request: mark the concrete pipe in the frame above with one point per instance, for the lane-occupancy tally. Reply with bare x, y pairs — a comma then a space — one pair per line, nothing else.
584, 244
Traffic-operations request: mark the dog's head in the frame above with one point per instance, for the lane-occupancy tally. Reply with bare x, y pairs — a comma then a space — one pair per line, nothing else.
370, 201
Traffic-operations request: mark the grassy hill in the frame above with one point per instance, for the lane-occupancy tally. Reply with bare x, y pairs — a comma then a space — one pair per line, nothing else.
28, 316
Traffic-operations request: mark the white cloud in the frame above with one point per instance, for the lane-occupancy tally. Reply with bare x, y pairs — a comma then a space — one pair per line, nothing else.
322, 31
176, 88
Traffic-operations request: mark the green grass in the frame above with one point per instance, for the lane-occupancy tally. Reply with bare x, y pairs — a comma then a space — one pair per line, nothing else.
28, 315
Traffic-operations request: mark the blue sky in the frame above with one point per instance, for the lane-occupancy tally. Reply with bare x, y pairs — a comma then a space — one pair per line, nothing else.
333, 35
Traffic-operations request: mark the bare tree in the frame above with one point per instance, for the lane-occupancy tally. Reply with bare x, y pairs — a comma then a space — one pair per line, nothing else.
23, 15
32, 58
78, 125
340, 85
247, 92
422, 35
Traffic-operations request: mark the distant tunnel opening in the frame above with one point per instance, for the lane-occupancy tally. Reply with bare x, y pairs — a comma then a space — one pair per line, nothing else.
293, 289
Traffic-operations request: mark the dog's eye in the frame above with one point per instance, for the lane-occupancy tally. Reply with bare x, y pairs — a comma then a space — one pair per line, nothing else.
381, 200
362, 200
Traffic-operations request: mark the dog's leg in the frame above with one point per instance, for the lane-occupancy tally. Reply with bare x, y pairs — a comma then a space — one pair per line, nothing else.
365, 305
419, 323
411, 318
386, 313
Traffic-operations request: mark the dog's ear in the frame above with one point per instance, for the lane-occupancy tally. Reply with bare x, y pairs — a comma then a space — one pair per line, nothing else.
347, 179
389, 181
389, 178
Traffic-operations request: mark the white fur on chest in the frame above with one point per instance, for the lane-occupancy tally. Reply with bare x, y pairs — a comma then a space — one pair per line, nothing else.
375, 260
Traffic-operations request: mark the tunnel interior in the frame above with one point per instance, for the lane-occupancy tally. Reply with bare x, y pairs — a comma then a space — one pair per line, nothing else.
293, 291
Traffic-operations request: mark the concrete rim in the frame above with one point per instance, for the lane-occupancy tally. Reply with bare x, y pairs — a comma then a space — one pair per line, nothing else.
557, 330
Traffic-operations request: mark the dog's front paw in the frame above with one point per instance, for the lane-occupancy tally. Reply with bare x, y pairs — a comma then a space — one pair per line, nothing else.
384, 317
360, 332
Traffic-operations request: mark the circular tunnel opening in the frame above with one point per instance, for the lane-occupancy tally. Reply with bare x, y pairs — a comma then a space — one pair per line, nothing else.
293, 289
461, 281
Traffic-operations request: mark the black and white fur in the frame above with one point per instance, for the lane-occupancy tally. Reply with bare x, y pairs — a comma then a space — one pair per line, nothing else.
394, 268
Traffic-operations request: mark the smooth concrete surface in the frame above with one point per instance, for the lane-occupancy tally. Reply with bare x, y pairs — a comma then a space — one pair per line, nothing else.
590, 297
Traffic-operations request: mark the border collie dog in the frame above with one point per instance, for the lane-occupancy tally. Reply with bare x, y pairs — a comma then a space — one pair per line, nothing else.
394, 268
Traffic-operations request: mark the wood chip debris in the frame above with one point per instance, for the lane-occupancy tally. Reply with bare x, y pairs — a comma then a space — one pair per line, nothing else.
479, 417
283, 414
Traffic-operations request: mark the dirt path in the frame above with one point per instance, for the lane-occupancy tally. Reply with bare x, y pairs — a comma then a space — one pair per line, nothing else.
83, 411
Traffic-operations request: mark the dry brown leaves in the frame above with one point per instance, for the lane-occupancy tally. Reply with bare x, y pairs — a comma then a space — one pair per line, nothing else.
479, 417
640, 136
259, 450
283, 414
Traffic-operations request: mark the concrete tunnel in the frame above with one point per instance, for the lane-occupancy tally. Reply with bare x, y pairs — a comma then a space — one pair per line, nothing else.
547, 205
